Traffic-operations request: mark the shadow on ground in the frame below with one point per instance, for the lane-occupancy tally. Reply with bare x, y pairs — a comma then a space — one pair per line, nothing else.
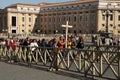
45, 68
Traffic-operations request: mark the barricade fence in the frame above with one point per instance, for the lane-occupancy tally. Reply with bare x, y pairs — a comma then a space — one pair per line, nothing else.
94, 61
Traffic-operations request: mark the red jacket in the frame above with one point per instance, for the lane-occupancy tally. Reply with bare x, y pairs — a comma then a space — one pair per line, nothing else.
12, 45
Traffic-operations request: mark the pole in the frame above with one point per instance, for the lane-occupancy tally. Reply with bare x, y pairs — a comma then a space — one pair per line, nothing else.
66, 33
66, 26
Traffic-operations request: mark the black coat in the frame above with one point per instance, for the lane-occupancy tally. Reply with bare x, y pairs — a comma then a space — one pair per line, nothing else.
80, 45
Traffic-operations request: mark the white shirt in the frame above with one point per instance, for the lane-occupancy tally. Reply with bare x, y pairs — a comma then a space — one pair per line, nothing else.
107, 41
33, 45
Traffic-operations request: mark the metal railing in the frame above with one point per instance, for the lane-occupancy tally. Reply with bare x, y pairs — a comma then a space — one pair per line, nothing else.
94, 61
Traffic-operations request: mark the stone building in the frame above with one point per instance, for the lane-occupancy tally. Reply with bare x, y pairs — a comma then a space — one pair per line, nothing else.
19, 18
86, 16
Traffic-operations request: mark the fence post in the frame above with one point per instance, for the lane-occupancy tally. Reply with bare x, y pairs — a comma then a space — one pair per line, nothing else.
45, 56
0, 52
36, 61
85, 66
29, 56
93, 57
118, 66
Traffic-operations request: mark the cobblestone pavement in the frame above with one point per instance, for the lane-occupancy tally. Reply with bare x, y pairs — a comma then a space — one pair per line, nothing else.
22, 72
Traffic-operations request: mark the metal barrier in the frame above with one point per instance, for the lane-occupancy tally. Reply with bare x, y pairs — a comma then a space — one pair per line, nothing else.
94, 61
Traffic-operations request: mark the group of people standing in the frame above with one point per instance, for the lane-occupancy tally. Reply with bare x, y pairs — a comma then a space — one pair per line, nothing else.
56, 41
59, 42
101, 40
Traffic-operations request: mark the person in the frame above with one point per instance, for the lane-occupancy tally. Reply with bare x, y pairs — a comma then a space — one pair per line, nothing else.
39, 43
69, 44
33, 45
12, 44
25, 45
54, 43
55, 61
3, 42
103, 40
26, 42
12, 56
61, 45
80, 44
43, 43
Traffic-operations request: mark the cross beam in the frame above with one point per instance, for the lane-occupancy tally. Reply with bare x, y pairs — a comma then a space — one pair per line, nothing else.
66, 26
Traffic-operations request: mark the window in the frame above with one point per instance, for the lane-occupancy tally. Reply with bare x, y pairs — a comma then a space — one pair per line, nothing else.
111, 25
29, 25
93, 17
64, 18
118, 25
36, 20
45, 19
59, 19
69, 19
118, 11
111, 17
41, 19
22, 25
118, 17
41, 25
118, 31
111, 11
29, 30
29, 19
80, 18
80, 31
53, 19
13, 21
29, 14
23, 19
86, 18
22, 30
13, 31
103, 17
103, 25
75, 25
75, 18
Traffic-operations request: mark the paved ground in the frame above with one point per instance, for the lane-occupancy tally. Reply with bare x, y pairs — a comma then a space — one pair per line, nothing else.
22, 72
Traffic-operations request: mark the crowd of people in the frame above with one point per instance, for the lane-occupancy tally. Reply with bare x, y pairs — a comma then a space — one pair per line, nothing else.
111, 41
54, 42
72, 42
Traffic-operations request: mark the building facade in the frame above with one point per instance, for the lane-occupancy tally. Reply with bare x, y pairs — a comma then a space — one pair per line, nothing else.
82, 15
19, 18
86, 16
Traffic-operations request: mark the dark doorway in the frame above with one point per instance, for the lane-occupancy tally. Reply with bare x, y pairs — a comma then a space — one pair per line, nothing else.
13, 31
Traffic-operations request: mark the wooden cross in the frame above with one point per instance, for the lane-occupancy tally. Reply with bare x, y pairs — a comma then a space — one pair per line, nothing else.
66, 26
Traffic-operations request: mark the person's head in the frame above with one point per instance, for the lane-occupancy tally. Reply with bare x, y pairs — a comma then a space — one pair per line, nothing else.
60, 38
28, 38
69, 39
34, 40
